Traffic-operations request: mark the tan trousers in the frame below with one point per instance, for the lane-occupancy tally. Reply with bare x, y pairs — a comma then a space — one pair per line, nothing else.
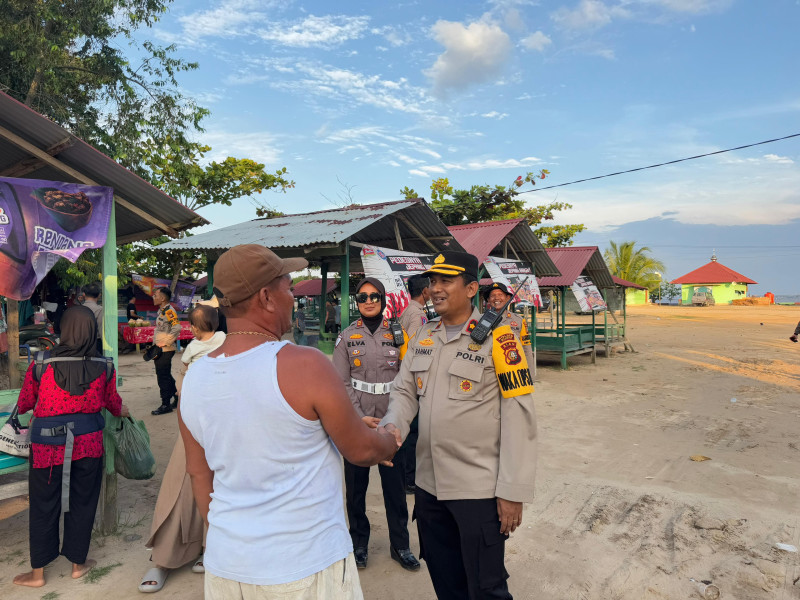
337, 582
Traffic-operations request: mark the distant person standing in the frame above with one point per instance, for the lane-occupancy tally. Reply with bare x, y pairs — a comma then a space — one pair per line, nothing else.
91, 294
299, 326
337, 308
330, 318
167, 330
414, 316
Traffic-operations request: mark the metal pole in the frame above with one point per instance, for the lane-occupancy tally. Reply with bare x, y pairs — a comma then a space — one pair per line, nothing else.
323, 292
210, 262
107, 513
12, 321
344, 308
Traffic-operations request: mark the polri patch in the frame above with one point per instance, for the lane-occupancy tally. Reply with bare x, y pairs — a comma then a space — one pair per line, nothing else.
357, 362
357, 352
466, 385
474, 347
426, 342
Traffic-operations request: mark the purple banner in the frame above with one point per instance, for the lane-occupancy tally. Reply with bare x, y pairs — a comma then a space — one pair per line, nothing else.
42, 221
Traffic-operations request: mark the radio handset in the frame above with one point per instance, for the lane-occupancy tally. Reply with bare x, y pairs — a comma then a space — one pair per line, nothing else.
491, 318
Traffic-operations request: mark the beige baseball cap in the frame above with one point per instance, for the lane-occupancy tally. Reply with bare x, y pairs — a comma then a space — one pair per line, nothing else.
243, 270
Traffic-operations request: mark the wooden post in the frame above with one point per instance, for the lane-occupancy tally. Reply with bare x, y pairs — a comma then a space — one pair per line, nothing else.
210, 262
12, 316
323, 293
106, 519
344, 291
562, 307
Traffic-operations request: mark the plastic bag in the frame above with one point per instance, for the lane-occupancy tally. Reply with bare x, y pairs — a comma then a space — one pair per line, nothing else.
133, 458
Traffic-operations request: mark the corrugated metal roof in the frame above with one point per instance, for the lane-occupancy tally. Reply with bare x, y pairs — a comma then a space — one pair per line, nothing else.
365, 224
312, 287
713, 272
487, 238
44, 134
574, 261
625, 283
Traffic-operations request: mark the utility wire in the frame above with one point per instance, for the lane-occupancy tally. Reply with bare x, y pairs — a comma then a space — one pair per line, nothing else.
671, 162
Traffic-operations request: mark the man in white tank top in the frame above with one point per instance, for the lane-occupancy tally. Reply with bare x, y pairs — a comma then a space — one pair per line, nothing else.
263, 423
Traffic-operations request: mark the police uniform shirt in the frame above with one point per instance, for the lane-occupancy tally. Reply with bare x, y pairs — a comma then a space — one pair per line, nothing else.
369, 357
167, 329
413, 318
476, 440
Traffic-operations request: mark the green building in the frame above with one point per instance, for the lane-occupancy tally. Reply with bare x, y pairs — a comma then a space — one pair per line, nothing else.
725, 284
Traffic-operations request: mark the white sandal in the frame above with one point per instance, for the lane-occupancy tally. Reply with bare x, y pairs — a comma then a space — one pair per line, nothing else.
156, 574
198, 566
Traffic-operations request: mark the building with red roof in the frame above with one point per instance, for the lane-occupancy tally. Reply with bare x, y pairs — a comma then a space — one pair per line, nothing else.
725, 284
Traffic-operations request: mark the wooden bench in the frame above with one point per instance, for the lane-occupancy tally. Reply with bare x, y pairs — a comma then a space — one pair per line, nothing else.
568, 341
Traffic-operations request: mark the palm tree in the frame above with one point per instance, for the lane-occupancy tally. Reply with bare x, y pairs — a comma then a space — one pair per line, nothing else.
634, 264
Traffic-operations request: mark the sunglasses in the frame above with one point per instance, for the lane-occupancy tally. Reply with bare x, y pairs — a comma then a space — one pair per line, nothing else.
363, 297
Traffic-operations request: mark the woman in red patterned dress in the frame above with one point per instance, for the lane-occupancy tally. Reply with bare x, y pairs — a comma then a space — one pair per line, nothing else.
67, 392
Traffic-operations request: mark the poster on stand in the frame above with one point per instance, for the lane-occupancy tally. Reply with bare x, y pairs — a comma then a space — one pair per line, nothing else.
510, 273
42, 221
181, 297
393, 268
587, 295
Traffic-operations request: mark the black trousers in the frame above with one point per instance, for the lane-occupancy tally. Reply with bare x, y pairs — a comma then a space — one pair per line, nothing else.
409, 450
356, 481
461, 543
166, 382
44, 487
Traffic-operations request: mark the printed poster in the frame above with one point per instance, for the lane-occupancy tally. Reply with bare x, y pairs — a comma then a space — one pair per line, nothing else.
393, 268
587, 295
510, 273
181, 297
42, 221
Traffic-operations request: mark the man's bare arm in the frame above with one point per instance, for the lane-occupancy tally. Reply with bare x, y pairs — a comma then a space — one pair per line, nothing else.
198, 469
314, 389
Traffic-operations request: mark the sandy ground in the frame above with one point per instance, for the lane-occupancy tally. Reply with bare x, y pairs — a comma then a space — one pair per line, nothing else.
621, 511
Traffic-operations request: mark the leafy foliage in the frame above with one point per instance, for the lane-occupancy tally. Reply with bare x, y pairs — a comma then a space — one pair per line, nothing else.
634, 264
485, 203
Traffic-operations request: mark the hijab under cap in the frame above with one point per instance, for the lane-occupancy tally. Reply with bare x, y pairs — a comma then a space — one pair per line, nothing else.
373, 323
78, 339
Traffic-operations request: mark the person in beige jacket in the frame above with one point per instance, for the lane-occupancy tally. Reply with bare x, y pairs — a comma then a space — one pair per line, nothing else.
476, 454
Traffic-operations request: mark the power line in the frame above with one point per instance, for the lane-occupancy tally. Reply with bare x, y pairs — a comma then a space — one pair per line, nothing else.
663, 164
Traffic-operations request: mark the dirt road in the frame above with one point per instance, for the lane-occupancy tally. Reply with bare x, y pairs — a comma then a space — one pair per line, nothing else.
621, 511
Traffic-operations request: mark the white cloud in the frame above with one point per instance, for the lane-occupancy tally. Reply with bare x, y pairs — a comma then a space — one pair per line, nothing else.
589, 14
479, 165
474, 53
495, 115
229, 19
418, 173
536, 41
690, 6
315, 31
781, 160
260, 146
393, 147
606, 53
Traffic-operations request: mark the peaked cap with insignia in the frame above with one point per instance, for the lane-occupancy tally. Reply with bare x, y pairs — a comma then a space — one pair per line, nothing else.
495, 286
453, 263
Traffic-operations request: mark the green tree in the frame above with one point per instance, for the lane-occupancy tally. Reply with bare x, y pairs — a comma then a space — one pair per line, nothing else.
486, 203
73, 61
634, 264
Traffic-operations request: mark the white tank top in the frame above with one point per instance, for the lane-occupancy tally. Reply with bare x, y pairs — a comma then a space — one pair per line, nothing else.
276, 511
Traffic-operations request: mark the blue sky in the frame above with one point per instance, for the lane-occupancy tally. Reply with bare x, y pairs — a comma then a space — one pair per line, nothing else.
384, 95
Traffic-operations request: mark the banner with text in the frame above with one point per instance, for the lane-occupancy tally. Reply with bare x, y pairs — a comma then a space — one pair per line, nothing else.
42, 221
393, 268
181, 297
510, 273
587, 295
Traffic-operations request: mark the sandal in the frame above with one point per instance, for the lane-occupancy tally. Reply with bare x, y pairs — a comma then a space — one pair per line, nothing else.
198, 566
153, 580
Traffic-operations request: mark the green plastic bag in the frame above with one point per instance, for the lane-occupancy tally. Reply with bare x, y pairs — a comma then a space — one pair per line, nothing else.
133, 458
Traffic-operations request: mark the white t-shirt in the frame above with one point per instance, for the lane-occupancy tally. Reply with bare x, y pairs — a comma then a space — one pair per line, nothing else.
199, 348
277, 512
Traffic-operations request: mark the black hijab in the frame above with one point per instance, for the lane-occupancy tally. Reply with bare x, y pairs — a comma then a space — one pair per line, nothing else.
373, 323
78, 339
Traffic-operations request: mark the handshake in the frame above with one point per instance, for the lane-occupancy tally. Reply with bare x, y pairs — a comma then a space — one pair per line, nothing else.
388, 430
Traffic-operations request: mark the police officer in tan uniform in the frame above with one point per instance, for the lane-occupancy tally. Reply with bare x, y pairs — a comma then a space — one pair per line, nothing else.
476, 455
496, 296
367, 360
167, 330
414, 316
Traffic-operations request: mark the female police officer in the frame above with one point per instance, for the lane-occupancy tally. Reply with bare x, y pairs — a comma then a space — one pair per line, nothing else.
367, 361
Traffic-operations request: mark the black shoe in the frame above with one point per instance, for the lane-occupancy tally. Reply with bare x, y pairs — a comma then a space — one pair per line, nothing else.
360, 554
174, 401
410, 489
406, 559
162, 410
